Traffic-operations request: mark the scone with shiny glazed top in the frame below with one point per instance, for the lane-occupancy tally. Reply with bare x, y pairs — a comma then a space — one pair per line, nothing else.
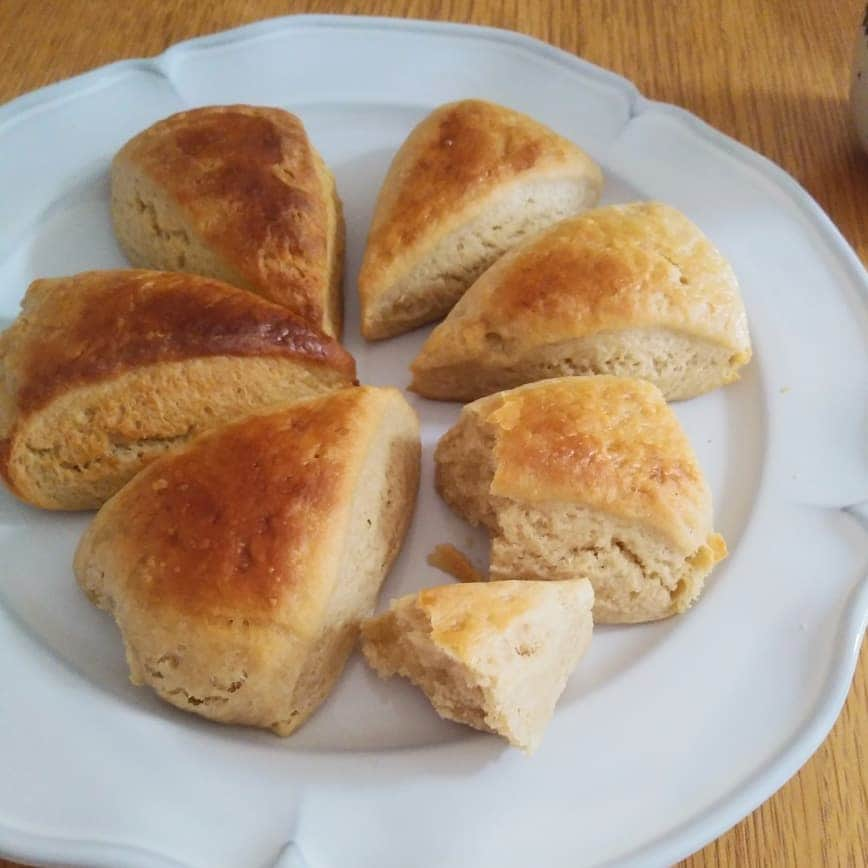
105, 370
238, 193
631, 290
586, 476
472, 180
238, 569
494, 655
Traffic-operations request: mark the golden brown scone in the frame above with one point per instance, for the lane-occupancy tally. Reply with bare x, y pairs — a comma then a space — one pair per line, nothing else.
493, 655
105, 370
238, 193
238, 568
586, 476
631, 290
472, 180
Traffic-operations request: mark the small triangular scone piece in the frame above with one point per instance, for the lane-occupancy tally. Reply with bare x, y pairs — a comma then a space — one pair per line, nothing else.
586, 476
239, 568
493, 655
630, 290
105, 370
238, 193
471, 181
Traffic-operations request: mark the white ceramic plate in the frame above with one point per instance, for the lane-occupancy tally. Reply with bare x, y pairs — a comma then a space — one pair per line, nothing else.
667, 733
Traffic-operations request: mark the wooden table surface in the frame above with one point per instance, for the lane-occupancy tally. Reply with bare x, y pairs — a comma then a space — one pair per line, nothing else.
771, 73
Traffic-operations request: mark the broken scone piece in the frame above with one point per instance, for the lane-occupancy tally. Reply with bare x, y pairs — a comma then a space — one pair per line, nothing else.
632, 290
471, 181
448, 559
238, 193
586, 476
239, 568
493, 655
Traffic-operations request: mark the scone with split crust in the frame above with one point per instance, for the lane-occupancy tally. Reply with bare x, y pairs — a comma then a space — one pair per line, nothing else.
238, 569
586, 476
493, 655
472, 180
632, 290
238, 193
103, 371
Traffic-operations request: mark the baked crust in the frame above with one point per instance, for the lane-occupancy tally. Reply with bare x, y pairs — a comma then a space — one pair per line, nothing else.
444, 173
238, 567
609, 443
100, 330
244, 521
254, 190
624, 267
586, 476
94, 325
464, 616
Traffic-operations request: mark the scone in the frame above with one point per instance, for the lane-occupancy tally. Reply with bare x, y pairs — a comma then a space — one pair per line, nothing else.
238, 193
586, 476
472, 180
238, 568
631, 290
493, 655
105, 370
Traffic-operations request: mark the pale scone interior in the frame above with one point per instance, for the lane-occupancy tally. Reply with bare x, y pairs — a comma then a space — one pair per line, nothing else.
681, 366
495, 656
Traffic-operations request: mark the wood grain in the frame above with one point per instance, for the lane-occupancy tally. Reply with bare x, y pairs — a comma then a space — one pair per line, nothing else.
771, 73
